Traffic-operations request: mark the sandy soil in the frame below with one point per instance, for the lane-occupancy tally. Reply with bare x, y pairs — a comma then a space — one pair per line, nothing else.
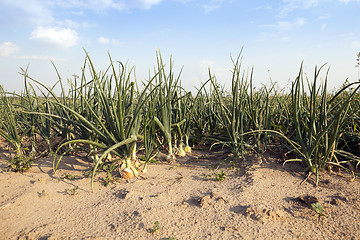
255, 201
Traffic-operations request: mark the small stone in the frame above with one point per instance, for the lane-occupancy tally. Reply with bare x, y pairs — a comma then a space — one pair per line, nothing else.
205, 201
307, 199
336, 201
42, 179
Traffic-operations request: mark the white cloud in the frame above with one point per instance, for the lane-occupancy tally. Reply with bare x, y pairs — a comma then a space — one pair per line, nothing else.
73, 24
312, 3
303, 3
212, 5
35, 57
291, 5
96, 5
290, 25
33, 11
355, 44
216, 69
7, 49
43, 12
104, 40
63, 37
286, 25
103, 5
147, 4
323, 17
206, 64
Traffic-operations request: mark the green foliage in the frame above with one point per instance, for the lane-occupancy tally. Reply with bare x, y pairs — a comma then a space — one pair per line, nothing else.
155, 228
106, 112
110, 177
316, 121
318, 208
20, 163
10, 127
72, 191
69, 176
220, 176
207, 176
42, 193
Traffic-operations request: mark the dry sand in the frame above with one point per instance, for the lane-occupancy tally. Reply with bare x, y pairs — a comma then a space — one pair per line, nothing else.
255, 201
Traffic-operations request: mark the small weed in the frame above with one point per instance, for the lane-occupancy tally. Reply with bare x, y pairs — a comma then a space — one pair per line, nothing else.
233, 165
72, 191
42, 193
109, 179
318, 208
207, 177
221, 176
175, 166
156, 227
69, 176
20, 163
87, 174
110, 167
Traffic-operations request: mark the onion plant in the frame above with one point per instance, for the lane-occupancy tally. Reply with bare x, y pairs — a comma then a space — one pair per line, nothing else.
10, 129
233, 117
149, 133
185, 114
116, 120
42, 125
317, 119
167, 97
45, 111
13, 131
204, 123
261, 110
107, 115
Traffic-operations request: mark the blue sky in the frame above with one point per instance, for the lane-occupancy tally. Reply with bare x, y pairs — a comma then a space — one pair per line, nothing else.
276, 35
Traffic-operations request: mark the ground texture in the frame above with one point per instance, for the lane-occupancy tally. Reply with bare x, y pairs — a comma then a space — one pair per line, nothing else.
183, 200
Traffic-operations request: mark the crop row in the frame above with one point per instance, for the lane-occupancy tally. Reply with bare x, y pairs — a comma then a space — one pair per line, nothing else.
109, 113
